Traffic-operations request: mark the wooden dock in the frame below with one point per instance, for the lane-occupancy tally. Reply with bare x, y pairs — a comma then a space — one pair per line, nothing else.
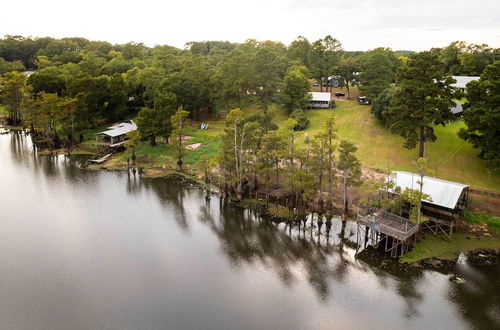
396, 231
99, 160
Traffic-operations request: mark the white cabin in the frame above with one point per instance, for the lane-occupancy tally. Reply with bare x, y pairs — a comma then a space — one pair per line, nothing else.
320, 100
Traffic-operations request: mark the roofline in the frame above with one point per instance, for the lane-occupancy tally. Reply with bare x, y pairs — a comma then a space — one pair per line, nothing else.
434, 178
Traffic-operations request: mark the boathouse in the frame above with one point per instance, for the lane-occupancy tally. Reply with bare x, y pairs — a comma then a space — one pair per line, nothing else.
447, 198
319, 100
447, 201
115, 135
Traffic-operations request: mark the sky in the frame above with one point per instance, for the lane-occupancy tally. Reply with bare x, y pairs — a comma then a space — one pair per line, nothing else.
359, 25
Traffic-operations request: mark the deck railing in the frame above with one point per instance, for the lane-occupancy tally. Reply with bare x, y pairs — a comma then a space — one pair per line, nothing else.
376, 221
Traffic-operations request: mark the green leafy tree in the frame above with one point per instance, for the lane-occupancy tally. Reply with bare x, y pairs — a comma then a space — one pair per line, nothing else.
179, 122
72, 120
232, 76
378, 70
482, 115
318, 163
296, 88
382, 102
132, 142
349, 167
92, 63
347, 71
423, 98
324, 58
191, 85
271, 150
12, 86
267, 70
207, 166
49, 105
116, 105
298, 51
156, 121
300, 117
317, 61
10, 66
48, 80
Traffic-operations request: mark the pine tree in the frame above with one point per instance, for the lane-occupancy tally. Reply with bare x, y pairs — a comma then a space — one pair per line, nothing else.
423, 98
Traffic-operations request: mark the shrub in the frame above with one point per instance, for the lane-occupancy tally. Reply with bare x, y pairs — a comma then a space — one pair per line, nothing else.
381, 102
300, 117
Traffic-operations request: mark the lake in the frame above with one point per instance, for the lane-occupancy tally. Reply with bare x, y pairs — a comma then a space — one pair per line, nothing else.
84, 249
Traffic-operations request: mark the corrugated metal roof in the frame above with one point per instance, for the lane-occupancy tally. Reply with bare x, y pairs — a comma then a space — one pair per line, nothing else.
119, 129
321, 96
443, 193
462, 81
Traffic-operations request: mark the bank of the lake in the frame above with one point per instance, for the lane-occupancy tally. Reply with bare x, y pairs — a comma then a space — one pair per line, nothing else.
156, 162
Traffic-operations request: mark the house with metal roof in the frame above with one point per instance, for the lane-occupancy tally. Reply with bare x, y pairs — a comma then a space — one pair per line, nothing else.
115, 135
445, 195
320, 100
462, 82
447, 200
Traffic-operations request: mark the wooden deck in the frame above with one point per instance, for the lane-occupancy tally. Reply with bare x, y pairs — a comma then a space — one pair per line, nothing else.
99, 160
389, 224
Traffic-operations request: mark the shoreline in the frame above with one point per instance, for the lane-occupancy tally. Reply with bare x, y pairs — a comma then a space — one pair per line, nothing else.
277, 213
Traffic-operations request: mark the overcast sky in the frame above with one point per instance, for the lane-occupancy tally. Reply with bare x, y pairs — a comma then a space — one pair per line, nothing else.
359, 25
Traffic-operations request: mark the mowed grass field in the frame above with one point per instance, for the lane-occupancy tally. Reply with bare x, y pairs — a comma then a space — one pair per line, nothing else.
450, 157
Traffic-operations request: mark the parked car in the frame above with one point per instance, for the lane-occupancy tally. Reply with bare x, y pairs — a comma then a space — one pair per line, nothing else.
363, 100
339, 94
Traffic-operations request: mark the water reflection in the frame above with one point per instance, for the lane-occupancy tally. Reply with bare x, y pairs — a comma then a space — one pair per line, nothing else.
316, 251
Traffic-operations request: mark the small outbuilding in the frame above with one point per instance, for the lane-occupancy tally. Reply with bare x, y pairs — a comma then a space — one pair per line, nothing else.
447, 196
462, 82
320, 100
448, 200
115, 135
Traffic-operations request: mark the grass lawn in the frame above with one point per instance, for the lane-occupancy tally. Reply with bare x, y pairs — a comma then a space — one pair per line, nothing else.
161, 159
450, 157
3, 111
477, 218
433, 246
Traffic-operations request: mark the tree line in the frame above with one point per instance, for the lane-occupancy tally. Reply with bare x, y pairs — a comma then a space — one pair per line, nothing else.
263, 162
79, 84
423, 95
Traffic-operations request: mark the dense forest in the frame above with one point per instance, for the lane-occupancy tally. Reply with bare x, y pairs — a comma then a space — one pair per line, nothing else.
77, 84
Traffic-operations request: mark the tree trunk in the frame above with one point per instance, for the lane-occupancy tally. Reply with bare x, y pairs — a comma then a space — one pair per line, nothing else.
153, 141
421, 142
345, 192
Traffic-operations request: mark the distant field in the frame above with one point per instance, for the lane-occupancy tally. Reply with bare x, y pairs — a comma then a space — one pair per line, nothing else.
450, 157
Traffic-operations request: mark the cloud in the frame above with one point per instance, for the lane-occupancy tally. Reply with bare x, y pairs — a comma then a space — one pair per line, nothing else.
358, 25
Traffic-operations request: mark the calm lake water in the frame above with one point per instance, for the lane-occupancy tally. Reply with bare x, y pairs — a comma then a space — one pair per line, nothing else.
84, 249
